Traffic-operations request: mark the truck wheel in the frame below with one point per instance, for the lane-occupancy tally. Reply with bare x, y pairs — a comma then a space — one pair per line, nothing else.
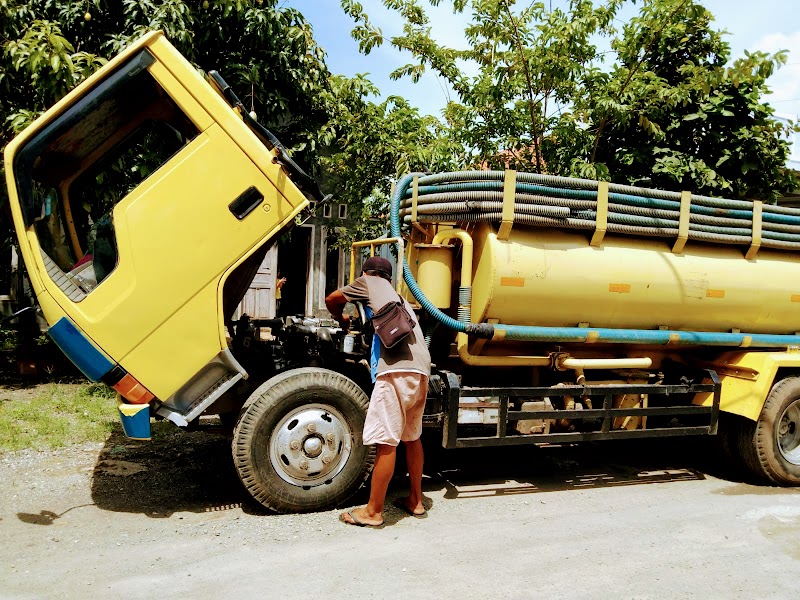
770, 447
297, 445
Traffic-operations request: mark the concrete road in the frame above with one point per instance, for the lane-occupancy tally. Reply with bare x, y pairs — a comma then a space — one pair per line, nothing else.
169, 519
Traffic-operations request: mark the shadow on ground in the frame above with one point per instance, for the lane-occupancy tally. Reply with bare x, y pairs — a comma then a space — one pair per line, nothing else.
481, 472
193, 470
176, 471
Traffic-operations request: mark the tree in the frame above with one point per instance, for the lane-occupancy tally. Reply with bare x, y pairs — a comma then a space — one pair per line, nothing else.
368, 146
665, 111
673, 113
265, 51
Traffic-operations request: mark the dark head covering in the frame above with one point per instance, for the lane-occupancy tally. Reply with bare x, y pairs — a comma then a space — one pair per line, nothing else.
377, 263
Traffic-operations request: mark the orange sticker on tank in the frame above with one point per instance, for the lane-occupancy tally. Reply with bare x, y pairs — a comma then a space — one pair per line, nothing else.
795, 297
620, 288
715, 293
512, 281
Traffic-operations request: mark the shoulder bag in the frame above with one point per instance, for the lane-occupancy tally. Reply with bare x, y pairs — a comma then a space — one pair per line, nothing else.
392, 323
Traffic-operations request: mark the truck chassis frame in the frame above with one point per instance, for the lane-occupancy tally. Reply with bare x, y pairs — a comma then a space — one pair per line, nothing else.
454, 393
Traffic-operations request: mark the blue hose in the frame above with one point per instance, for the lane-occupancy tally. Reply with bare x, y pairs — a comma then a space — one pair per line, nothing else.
574, 334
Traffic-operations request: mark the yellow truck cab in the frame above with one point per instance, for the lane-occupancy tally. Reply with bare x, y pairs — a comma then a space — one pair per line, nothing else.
128, 252
556, 310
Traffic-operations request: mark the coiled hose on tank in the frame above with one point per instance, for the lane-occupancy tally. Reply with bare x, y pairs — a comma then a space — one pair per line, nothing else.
552, 201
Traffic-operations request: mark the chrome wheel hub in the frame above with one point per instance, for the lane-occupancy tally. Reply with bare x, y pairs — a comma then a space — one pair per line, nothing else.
310, 445
787, 433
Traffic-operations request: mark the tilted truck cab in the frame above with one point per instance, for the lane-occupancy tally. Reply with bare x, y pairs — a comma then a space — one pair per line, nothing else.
135, 198
556, 310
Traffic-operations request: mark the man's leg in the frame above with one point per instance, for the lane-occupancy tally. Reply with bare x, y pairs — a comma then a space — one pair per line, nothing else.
414, 460
372, 513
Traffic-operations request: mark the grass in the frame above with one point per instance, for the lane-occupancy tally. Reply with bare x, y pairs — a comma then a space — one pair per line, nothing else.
56, 415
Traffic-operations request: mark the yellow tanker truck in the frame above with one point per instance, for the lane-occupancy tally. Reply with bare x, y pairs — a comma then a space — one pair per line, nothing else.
556, 310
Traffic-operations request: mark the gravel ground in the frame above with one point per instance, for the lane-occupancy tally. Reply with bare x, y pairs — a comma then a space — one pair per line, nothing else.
169, 519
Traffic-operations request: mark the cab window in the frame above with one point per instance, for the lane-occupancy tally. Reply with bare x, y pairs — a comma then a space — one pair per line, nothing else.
78, 168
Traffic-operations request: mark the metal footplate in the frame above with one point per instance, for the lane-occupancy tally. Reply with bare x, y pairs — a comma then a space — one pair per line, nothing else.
592, 423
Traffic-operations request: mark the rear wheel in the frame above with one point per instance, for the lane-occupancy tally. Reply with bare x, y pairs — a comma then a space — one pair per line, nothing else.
297, 445
770, 447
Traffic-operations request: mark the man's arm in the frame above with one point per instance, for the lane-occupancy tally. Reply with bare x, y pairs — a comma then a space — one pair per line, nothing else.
335, 303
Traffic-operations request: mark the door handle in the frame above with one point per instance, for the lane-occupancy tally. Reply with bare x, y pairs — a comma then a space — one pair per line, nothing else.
246, 202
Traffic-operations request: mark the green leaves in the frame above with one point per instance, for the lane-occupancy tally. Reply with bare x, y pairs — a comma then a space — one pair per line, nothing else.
532, 92
690, 110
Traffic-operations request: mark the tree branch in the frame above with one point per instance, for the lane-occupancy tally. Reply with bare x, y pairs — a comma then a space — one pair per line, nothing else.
531, 103
631, 73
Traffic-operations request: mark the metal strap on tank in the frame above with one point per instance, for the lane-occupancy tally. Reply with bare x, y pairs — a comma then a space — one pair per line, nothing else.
414, 198
683, 223
601, 222
509, 193
755, 243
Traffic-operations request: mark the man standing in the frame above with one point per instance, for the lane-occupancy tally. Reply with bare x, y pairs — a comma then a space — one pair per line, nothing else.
398, 398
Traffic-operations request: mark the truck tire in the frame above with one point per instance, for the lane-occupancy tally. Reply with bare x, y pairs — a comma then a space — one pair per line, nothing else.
297, 444
770, 447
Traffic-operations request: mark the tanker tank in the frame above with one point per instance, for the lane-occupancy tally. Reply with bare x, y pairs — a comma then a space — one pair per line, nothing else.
563, 260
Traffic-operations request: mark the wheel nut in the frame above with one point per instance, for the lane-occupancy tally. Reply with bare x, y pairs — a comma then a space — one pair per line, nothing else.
326, 460
295, 445
304, 465
311, 428
330, 437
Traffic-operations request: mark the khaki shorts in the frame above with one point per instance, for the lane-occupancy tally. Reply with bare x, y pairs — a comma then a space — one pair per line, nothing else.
395, 408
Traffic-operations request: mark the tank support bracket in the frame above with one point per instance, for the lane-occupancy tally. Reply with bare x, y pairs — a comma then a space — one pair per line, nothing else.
509, 194
755, 240
683, 222
601, 222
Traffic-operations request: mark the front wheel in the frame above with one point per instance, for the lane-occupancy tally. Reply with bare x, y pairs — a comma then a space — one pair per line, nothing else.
297, 445
770, 447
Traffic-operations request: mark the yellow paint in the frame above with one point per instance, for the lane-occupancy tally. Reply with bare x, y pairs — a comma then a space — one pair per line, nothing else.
158, 313
746, 397
462, 341
129, 410
372, 245
435, 273
567, 282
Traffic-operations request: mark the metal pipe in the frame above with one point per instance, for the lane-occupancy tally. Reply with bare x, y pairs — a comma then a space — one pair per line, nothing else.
466, 245
465, 292
579, 364
462, 342
372, 245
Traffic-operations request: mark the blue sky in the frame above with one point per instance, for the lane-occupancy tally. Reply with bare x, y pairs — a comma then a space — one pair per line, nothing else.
767, 25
